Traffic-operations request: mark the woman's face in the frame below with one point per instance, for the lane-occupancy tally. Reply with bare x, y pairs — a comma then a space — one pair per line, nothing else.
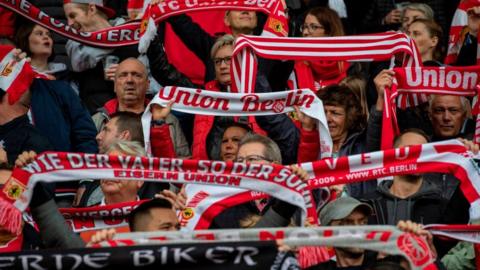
231, 137
40, 42
425, 43
312, 28
222, 61
336, 120
409, 16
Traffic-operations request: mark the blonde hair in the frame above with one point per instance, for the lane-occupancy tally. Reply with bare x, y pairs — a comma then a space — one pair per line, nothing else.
130, 148
225, 40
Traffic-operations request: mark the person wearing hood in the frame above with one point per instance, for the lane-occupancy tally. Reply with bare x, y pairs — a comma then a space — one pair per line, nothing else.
414, 197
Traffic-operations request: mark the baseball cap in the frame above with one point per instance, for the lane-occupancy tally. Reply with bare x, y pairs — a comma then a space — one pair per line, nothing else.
99, 3
341, 208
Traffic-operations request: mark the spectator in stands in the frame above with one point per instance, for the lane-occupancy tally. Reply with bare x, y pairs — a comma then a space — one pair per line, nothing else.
95, 87
415, 11
16, 132
255, 148
384, 15
415, 197
447, 117
131, 84
428, 36
127, 126
320, 22
208, 129
348, 129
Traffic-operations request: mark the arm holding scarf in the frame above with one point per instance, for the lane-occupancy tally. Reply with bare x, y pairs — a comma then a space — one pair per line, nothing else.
84, 57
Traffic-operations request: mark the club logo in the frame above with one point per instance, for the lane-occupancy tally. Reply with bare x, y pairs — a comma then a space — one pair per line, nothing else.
414, 248
13, 189
188, 213
8, 68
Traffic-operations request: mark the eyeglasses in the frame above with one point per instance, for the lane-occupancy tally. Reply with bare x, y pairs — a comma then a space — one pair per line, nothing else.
252, 158
311, 27
218, 61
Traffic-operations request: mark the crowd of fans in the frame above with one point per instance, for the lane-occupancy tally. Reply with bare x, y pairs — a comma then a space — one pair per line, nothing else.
92, 99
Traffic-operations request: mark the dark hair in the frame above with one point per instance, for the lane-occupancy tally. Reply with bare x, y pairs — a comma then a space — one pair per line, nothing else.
396, 140
132, 122
239, 125
434, 30
144, 210
341, 95
24, 29
329, 19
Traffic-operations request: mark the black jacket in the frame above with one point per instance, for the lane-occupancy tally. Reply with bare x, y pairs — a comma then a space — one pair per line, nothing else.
19, 135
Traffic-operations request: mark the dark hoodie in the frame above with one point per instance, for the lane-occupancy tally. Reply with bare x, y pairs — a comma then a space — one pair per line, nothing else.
426, 206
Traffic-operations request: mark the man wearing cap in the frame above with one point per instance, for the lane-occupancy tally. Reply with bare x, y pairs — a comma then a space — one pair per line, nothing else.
94, 80
347, 211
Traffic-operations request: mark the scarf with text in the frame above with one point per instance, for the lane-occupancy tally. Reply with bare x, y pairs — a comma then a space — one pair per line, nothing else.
275, 180
197, 101
207, 256
131, 32
459, 30
447, 80
441, 157
373, 47
386, 239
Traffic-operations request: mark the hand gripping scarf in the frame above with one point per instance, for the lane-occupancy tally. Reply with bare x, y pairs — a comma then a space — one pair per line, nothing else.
15, 77
275, 180
458, 30
197, 101
131, 32
386, 239
458, 81
373, 47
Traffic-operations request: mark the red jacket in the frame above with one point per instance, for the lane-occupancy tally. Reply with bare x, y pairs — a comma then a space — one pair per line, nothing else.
160, 139
203, 125
309, 145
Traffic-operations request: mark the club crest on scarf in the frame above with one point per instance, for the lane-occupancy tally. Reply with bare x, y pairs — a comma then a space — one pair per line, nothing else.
417, 250
13, 188
8, 68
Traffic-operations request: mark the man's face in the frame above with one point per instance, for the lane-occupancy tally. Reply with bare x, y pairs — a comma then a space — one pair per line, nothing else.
447, 116
356, 218
78, 18
252, 152
108, 135
131, 82
241, 22
120, 188
161, 219
222, 61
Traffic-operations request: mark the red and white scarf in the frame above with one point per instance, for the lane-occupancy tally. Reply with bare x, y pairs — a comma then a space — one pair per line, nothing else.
387, 239
373, 47
275, 180
15, 77
443, 157
129, 33
458, 30
423, 81
197, 101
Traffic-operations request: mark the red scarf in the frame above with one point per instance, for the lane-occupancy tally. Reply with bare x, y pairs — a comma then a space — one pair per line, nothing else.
318, 74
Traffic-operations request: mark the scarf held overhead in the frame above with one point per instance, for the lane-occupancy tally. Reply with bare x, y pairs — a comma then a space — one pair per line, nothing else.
275, 180
386, 239
457, 81
373, 47
130, 33
197, 101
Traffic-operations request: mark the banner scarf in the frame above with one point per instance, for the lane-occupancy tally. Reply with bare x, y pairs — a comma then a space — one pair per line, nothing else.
386, 239
130, 33
211, 256
15, 77
372, 47
197, 101
275, 180
447, 80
